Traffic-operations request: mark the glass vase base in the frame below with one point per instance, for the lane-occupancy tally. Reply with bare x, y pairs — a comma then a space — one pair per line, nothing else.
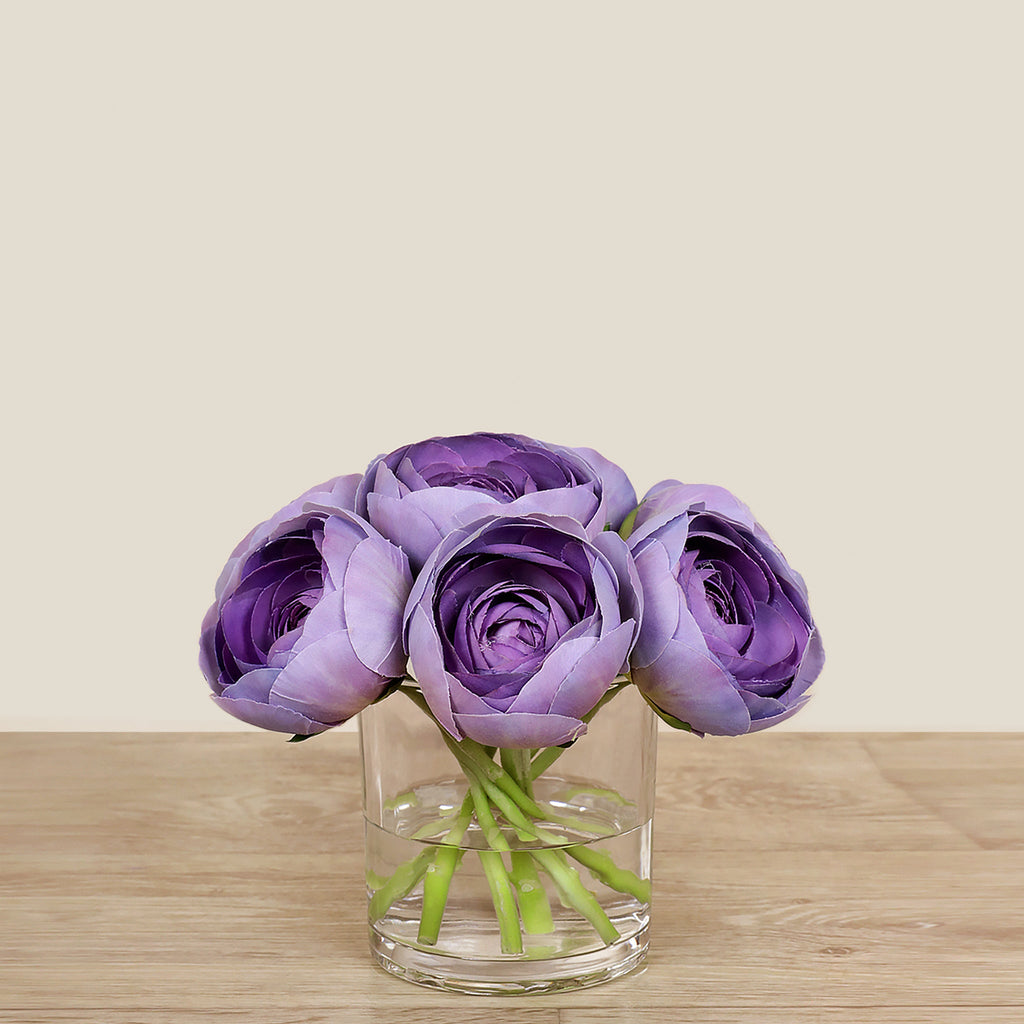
509, 977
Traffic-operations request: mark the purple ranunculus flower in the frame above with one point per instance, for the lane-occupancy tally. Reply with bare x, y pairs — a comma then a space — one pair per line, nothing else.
421, 492
306, 628
517, 625
727, 645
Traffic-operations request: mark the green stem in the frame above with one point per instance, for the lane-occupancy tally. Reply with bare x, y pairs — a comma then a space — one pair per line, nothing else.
504, 901
438, 878
517, 764
534, 908
526, 830
436, 884
500, 788
472, 757
485, 819
494, 870
400, 884
433, 828
580, 898
508, 786
603, 868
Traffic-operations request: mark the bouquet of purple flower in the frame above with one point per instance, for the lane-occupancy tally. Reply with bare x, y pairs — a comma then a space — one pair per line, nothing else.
508, 589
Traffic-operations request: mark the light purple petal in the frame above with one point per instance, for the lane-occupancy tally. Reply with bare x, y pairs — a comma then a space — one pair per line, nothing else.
427, 661
325, 618
248, 700
619, 495
594, 673
663, 604
267, 716
327, 682
630, 589
450, 507
773, 639
342, 490
406, 525
255, 685
520, 731
674, 497
810, 667
690, 685
342, 535
542, 687
757, 724
376, 586
579, 503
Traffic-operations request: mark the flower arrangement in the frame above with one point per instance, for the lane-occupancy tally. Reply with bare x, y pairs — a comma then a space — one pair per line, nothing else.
509, 589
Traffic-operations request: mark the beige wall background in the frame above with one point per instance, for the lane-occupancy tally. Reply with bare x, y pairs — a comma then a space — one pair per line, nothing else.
776, 246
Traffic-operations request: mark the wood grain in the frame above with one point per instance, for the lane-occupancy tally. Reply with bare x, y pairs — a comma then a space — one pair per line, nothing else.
798, 878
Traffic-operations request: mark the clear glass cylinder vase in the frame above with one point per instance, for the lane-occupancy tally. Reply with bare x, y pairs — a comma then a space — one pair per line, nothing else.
501, 871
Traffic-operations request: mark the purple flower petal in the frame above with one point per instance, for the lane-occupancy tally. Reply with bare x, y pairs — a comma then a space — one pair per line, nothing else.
428, 663
663, 604
520, 731
326, 681
620, 497
538, 692
577, 503
420, 493
690, 684
269, 716
248, 700
590, 678
376, 586
406, 525
630, 589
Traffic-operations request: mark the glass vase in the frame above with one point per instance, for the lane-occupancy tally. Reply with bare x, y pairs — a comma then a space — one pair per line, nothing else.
508, 871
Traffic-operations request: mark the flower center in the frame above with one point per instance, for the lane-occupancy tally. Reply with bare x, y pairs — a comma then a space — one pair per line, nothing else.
718, 594
515, 632
510, 624
288, 617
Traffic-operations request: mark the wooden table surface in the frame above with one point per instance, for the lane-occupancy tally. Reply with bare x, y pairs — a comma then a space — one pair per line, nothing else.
798, 878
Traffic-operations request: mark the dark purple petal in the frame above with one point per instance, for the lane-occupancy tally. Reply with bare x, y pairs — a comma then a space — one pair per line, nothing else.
208, 661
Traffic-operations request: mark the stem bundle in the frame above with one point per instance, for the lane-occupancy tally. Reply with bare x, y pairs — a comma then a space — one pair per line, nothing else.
500, 799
